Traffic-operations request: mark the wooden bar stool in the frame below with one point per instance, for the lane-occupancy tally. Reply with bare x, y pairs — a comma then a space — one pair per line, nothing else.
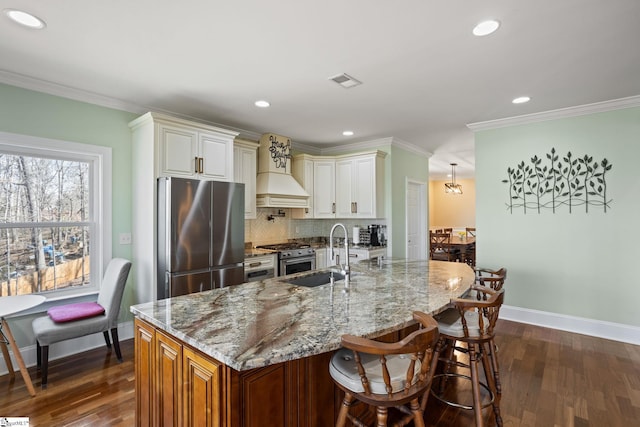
473, 325
386, 375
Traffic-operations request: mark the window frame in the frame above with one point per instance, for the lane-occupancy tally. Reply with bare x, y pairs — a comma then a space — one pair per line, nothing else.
100, 182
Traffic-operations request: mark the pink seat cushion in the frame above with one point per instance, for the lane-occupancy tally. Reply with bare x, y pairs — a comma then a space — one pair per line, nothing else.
77, 311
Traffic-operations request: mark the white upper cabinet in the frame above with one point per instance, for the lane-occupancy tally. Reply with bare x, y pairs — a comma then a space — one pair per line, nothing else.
188, 149
302, 171
178, 151
215, 154
356, 186
348, 186
324, 188
245, 171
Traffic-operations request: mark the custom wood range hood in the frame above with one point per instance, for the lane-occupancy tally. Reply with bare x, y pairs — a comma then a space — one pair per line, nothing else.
275, 187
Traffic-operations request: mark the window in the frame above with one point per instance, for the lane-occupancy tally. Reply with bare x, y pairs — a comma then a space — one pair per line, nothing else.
55, 223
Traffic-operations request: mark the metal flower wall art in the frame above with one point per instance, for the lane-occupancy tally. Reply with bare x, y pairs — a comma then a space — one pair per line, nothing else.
567, 182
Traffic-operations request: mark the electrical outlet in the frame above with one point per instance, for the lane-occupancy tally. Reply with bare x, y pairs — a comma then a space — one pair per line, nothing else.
125, 238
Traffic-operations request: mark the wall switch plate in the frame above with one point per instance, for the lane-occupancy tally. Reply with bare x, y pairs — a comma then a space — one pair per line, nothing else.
125, 238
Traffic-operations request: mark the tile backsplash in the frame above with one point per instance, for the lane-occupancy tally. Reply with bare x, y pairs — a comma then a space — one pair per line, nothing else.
261, 231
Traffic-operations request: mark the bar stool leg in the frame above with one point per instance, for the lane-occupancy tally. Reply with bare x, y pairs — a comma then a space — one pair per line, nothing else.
344, 410
418, 421
496, 367
382, 416
18, 356
475, 384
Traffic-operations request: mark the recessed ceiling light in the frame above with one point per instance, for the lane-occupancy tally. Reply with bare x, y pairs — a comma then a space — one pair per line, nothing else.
262, 103
24, 18
348, 133
486, 27
521, 100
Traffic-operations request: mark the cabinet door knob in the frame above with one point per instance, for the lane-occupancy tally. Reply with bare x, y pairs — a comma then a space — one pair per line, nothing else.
201, 163
196, 165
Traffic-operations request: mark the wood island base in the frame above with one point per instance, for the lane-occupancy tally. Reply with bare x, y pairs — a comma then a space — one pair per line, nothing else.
180, 386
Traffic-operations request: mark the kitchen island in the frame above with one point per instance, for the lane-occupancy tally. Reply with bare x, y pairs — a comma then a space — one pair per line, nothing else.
242, 355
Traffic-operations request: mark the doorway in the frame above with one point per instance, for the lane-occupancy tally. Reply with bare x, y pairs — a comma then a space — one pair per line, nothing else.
416, 219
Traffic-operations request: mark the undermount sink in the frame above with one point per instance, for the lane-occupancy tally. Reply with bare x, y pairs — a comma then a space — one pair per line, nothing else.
316, 279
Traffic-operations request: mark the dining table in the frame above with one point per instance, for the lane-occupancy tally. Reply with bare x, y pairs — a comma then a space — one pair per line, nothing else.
11, 305
463, 243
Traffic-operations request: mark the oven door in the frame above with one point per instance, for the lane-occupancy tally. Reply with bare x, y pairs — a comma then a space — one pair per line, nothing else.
297, 265
255, 275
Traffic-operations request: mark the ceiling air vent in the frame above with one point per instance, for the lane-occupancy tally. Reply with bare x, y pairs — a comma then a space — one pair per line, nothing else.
345, 80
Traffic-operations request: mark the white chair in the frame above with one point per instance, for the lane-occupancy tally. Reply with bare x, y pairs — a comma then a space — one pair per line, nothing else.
48, 332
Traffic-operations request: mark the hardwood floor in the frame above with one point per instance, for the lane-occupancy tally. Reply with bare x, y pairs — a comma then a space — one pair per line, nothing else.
549, 378
89, 389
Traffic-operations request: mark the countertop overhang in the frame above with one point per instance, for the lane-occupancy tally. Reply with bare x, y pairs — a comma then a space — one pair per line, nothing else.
263, 323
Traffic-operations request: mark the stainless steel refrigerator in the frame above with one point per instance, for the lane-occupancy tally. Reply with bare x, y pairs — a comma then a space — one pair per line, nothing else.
200, 235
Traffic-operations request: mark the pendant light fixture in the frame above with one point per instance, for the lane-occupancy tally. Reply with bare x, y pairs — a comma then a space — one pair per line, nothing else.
452, 187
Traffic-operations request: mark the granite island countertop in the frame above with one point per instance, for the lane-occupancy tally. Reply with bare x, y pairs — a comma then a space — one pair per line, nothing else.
263, 323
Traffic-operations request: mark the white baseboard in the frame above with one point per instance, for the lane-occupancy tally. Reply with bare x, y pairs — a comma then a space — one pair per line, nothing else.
579, 325
66, 348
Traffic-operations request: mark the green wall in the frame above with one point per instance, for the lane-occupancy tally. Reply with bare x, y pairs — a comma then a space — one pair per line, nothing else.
33, 113
577, 264
403, 165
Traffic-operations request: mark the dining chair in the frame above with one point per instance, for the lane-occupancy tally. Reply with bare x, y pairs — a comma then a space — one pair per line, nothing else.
440, 247
47, 331
387, 375
470, 252
473, 326
491, 278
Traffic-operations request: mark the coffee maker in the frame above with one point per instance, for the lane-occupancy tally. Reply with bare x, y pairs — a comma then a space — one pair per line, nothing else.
374, 234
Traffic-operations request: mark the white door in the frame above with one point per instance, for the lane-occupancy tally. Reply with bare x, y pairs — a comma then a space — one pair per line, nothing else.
416, 212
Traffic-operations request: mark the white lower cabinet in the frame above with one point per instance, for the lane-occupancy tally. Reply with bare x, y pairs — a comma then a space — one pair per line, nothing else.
355, 254
321, 258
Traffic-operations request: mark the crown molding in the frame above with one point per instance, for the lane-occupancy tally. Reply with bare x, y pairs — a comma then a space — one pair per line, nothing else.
69, 92
374, 144
306, 148
407, 146
561, 113
362, 145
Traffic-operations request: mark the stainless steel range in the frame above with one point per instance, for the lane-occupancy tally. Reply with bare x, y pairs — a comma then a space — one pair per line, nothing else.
293, 257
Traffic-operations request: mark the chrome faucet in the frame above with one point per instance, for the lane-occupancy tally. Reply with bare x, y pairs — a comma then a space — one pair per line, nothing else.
345, 268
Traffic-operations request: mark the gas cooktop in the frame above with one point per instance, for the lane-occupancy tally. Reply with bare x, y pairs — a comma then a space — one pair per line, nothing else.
290, 249
284, 246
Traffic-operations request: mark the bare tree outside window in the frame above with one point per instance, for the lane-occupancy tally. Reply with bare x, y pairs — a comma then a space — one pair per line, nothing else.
44, 224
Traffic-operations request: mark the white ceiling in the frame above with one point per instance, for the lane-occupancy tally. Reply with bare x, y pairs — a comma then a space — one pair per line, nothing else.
425, 75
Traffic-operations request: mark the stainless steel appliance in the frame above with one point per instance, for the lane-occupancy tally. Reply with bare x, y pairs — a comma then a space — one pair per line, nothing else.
374, 235
200, 235
293, 257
